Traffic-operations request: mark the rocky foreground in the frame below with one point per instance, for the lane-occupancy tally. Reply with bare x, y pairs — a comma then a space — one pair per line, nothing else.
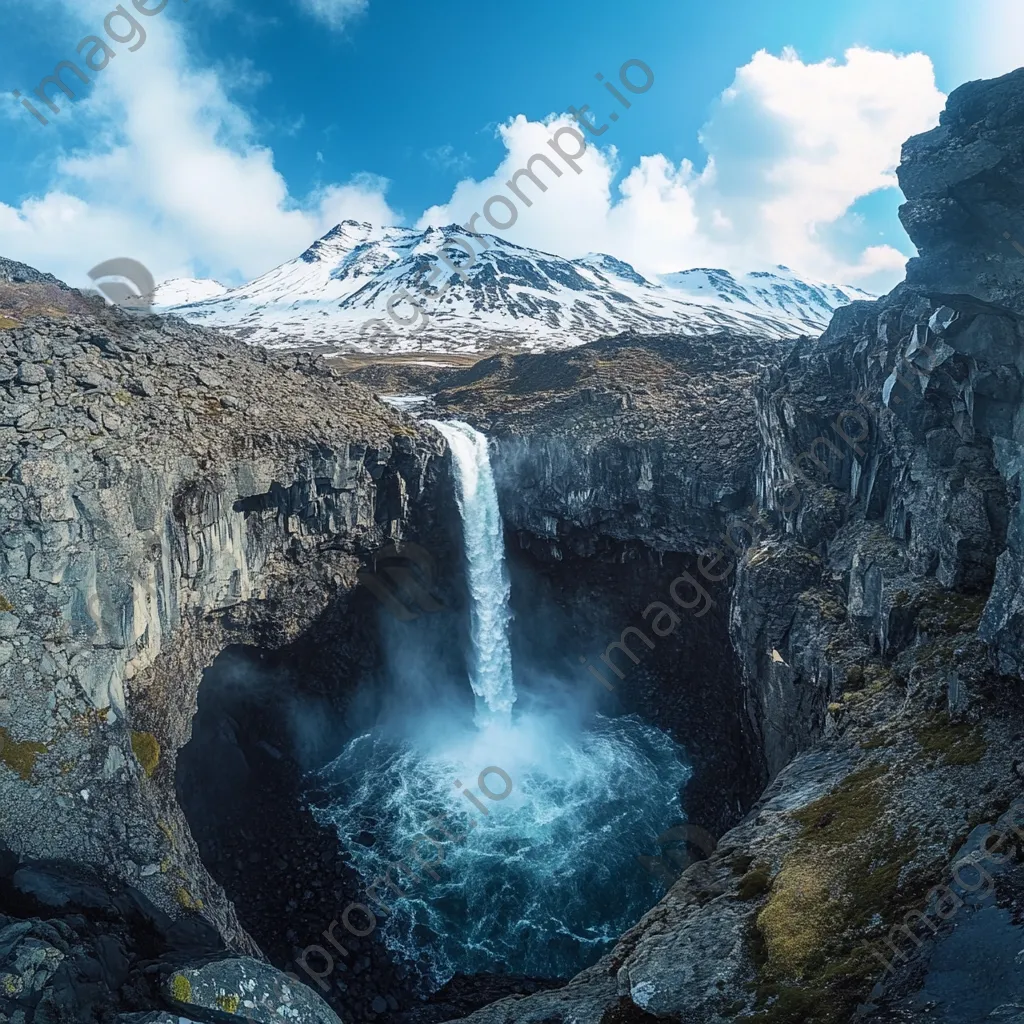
853, 503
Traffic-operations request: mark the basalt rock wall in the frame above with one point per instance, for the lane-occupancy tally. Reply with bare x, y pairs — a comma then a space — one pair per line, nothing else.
166, 493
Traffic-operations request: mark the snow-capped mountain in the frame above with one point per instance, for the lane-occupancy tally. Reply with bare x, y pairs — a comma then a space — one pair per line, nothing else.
337, 293
179, 291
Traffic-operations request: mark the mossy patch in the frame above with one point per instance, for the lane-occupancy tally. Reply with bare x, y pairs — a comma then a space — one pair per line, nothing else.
19, 756
875, 741
755, 883
5, 605
228, 1003
181, 988
146, 748
186, 900
827, 604
869, 682
952, 743
842, 872
6, 323
948, 613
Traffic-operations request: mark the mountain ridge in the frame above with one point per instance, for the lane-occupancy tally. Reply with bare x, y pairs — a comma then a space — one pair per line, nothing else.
340, 291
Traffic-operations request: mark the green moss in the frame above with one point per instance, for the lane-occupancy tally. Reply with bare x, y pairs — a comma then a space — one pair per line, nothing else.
869, 682
875, 741
6, 323
946, 612
846, 812
5, 605
19, 757
229, 1003
843, 870
147, 751
828, 605
181, 988
953, 743
755, 883
187, 900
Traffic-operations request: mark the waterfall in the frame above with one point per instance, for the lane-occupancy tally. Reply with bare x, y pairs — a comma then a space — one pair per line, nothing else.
490, 672
544, 881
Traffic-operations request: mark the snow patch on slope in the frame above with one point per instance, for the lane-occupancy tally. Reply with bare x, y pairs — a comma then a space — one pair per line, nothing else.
180, 291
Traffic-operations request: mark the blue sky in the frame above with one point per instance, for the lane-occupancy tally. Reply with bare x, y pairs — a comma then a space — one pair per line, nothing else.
240, 129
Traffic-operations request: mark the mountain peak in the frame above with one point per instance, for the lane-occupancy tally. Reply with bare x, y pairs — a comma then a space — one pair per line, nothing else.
340, 291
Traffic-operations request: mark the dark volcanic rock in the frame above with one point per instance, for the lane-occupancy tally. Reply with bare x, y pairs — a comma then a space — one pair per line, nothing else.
963, 182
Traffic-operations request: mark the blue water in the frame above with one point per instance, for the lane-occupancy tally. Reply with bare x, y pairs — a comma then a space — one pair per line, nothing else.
538, 872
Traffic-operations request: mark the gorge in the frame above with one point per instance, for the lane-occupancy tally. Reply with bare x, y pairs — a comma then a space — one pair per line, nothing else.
215, 736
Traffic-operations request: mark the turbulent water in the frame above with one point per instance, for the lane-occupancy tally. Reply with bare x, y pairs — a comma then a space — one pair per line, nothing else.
509, 841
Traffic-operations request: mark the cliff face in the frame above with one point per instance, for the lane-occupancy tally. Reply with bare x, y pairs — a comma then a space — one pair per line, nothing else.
166, 493
875, 612
650, 440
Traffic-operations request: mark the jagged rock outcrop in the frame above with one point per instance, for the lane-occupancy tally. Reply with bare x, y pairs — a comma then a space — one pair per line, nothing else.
165, 493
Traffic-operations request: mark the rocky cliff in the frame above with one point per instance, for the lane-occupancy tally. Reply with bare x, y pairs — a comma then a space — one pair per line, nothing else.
874, 607
166, 493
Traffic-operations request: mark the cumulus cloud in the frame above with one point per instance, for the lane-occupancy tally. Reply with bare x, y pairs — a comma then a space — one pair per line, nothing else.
174, 177
335, 13
791, 147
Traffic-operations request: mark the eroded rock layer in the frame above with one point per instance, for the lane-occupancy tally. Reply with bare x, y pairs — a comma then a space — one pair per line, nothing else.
166, 493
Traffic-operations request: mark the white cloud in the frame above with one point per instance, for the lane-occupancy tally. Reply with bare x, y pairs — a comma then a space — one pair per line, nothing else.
446, 158
791, 147
173, 178
335, 13
176, 178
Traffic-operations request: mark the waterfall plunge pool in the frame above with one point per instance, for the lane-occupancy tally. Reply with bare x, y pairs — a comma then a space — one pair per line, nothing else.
508, 838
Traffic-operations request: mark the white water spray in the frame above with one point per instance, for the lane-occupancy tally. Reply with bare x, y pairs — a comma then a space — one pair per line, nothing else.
491, 669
